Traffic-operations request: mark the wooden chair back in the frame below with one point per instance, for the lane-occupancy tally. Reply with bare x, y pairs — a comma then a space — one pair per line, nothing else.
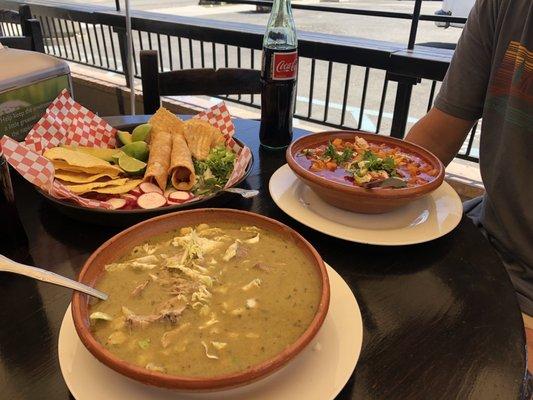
205, 81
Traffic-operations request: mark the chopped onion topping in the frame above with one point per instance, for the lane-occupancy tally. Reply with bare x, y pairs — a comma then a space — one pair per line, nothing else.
212, 356
154, 367
251, 303
253, 283
212, 321
219, 345
117, 337
238, 311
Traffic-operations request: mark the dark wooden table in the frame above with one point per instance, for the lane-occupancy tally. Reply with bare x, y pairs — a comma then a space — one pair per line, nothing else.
441, 319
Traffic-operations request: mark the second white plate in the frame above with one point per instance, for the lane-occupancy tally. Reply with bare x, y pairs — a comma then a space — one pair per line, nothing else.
423, 220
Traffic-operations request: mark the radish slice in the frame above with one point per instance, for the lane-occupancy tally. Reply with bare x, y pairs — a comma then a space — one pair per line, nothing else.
179, 196
151, 200
135, 192
129, 197
147, 187
116, 203
102, 197
169, 191
131, 200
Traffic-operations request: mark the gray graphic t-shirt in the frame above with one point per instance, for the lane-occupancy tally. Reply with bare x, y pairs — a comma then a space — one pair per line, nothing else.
491, 76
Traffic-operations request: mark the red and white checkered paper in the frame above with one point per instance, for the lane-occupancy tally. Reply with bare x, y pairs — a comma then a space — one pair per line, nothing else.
67, 122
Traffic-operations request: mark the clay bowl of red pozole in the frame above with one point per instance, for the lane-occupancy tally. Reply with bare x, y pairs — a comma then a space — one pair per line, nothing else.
364, 172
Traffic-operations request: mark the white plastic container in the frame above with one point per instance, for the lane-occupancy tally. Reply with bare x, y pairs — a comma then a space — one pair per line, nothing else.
29, 81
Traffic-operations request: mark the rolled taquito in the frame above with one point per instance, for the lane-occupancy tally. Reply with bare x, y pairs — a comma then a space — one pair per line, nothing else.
181, 166
159, 158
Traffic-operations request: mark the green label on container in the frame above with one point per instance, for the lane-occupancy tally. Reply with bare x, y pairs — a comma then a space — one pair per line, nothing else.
21, 108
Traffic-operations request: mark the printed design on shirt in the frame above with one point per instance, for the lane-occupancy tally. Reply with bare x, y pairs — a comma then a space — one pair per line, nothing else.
511, 88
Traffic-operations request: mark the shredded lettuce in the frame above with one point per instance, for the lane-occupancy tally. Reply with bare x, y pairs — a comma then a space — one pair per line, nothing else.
140, 263
253, 240
213, 173
195, 246
231, 251
101, 315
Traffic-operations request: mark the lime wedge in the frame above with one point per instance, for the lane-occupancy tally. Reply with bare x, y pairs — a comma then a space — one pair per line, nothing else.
141, 133
117, 155
131, 165
138, 150
124, 137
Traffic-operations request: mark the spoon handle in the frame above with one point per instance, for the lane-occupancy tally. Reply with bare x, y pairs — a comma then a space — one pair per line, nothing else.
246, 193
8, 265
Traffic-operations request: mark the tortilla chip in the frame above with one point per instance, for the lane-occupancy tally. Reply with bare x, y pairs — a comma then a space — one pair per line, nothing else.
130, 185
60, 165
217, 135
201, 137
164, 120
89, 187
218, 139
80, 177
77, 159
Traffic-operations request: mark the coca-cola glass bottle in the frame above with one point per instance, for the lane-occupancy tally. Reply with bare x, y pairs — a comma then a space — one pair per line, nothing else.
278, 77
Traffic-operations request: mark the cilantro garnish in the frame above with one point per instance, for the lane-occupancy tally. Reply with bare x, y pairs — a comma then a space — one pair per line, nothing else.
333, 154
379, 164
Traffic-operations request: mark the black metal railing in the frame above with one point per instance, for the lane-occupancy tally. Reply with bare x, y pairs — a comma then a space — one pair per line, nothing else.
10, 23
344, 82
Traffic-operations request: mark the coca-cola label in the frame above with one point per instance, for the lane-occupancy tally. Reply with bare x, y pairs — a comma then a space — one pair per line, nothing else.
284, 66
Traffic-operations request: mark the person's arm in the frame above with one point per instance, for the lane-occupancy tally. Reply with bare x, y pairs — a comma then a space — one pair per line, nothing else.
462, 95
440, 133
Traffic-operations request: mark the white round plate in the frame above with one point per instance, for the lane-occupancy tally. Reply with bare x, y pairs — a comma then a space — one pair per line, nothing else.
319, 372
423, 220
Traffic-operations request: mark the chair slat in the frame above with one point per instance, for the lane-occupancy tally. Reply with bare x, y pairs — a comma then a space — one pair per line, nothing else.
208, 81
204, 81
150, 81
17, 42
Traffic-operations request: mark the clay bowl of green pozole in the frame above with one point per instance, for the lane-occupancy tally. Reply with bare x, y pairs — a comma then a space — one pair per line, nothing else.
204, 299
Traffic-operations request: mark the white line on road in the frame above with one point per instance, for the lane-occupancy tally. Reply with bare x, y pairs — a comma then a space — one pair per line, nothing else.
194, 11
366, 124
